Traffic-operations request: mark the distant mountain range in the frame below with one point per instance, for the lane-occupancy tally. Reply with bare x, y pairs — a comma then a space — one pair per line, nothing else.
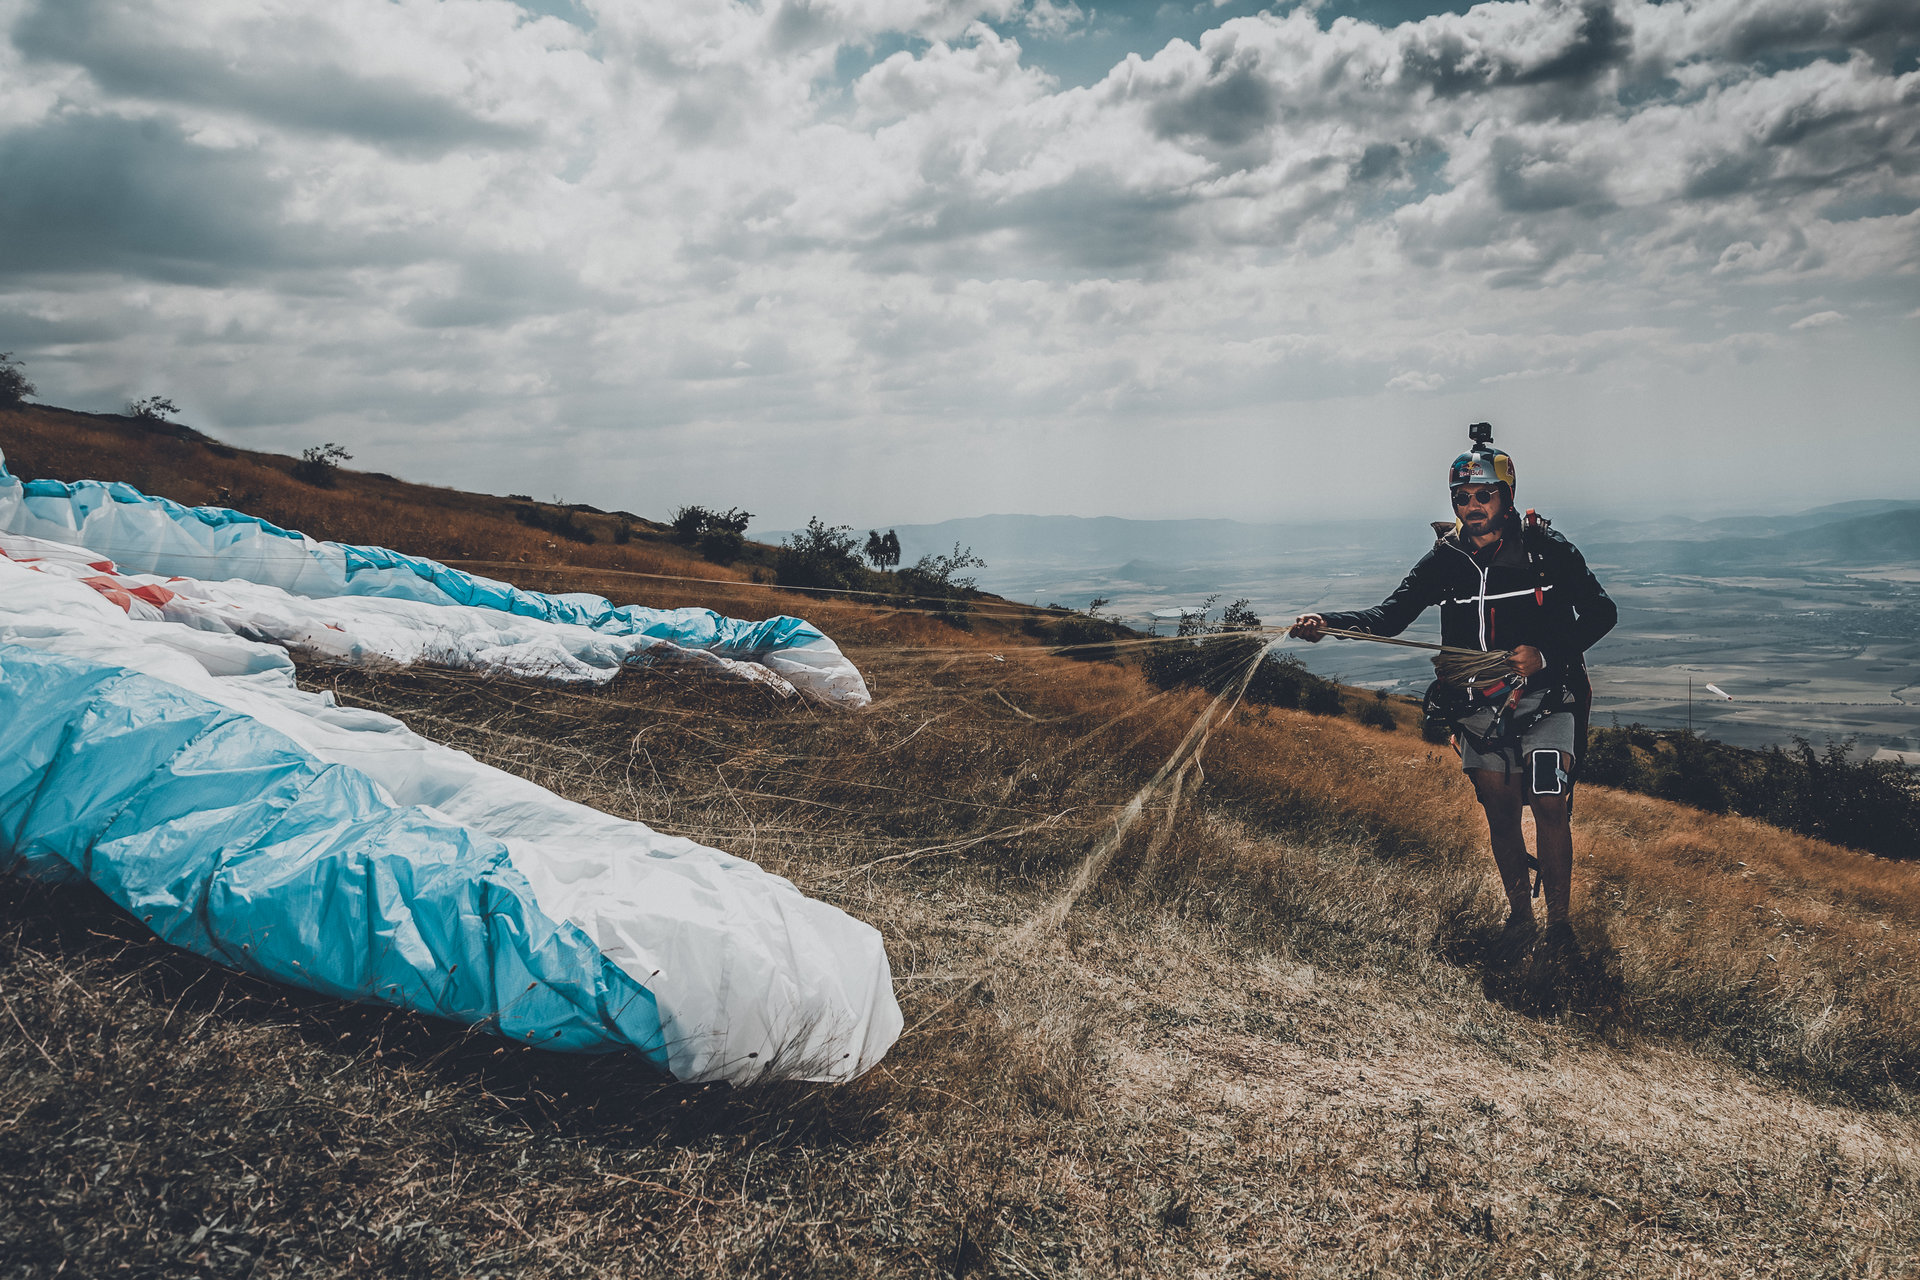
1184, 554
1830, 537
1676, 528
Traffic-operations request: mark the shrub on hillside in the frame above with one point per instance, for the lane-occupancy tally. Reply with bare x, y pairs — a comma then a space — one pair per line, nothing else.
1090, 639
932, 580
14, 386
821, 555
560, 522
1216, 656
1376, 714
153, 410
1873, 805
720, 535
319, 464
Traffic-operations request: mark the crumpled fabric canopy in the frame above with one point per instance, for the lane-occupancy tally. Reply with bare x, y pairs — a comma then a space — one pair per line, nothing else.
178, 767
363, 604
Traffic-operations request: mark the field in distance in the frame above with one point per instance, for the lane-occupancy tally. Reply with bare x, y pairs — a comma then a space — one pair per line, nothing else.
1811, 621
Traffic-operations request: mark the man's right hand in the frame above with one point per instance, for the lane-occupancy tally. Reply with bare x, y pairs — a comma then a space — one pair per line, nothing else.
1309, 627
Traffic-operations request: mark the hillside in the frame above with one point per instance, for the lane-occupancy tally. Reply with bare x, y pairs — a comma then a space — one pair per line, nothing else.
1260, 1040
362, 507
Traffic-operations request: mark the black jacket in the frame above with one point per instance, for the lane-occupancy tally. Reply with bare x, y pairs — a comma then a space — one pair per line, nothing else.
1534, 588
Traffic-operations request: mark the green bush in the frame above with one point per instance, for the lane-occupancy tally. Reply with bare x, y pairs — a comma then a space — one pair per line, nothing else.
821, 555
1086, 638
1872, 805
1377, 714
560, 522
720, 535
320, 463
153, 410
931, 580
1217, 654
14, 386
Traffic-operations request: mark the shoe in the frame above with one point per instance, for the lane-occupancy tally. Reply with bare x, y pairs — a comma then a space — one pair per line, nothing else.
1514, 940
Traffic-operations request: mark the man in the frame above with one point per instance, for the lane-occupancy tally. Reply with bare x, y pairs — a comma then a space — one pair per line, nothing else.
1505, 584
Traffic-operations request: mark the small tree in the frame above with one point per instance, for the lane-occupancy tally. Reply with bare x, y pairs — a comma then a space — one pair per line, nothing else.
821, 555
725, 535
721, 534
935, 573
319, 462
934, 576
883, 550
153, 409
14, 386
687, 523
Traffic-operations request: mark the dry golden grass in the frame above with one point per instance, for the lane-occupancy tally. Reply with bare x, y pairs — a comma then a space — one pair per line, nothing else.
363, 508
1262, 1043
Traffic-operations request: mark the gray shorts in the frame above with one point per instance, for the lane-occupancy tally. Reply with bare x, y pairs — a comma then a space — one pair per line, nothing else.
1552, 732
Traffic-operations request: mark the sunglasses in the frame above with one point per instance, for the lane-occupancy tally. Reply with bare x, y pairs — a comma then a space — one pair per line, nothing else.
1467, 497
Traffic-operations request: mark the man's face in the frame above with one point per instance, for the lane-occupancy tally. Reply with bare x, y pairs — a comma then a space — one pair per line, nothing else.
1479, 507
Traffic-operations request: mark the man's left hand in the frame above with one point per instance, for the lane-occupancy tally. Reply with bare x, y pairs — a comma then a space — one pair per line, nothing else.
1526, 660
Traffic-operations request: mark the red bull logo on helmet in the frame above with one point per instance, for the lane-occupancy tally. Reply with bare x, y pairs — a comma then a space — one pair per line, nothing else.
1481, 468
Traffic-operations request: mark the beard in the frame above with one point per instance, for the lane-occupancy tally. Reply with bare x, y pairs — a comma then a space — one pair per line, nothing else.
1482, 520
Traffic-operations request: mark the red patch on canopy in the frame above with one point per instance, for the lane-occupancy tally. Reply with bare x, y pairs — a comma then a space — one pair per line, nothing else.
112, 590
121, 594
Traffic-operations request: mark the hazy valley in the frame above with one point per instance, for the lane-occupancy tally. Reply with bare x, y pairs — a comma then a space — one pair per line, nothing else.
1811, 620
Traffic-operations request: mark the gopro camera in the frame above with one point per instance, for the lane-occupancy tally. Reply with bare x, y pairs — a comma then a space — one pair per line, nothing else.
1480, 433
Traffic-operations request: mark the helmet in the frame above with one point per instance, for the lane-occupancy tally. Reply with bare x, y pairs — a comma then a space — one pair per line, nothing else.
1482, 463
1488, 466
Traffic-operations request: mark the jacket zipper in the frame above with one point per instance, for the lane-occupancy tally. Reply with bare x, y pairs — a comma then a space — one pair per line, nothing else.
1481, 603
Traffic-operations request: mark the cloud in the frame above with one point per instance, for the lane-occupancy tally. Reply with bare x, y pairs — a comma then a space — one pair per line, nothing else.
1053, 21
1228, 101
90, 196
1818, 320
1759, 29
295, 70
686, 222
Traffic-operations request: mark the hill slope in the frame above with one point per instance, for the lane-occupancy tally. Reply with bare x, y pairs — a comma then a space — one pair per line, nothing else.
360, 507
1262, 1041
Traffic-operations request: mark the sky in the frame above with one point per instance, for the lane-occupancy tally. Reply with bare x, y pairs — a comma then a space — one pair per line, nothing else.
905, 260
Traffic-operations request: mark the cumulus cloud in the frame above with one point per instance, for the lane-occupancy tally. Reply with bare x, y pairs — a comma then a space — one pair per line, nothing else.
1818, 320
409, 85
688, 221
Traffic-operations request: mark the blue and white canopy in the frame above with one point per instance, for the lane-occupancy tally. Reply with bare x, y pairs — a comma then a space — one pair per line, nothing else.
354, 605
163, 752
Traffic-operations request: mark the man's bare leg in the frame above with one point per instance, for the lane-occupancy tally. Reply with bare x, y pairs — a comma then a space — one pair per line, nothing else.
1502, 798
1553, 845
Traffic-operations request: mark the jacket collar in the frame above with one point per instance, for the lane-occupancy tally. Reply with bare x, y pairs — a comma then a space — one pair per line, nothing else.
1510, 549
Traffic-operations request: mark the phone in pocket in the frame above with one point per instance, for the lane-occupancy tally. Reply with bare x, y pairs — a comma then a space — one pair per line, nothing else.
1548, 778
